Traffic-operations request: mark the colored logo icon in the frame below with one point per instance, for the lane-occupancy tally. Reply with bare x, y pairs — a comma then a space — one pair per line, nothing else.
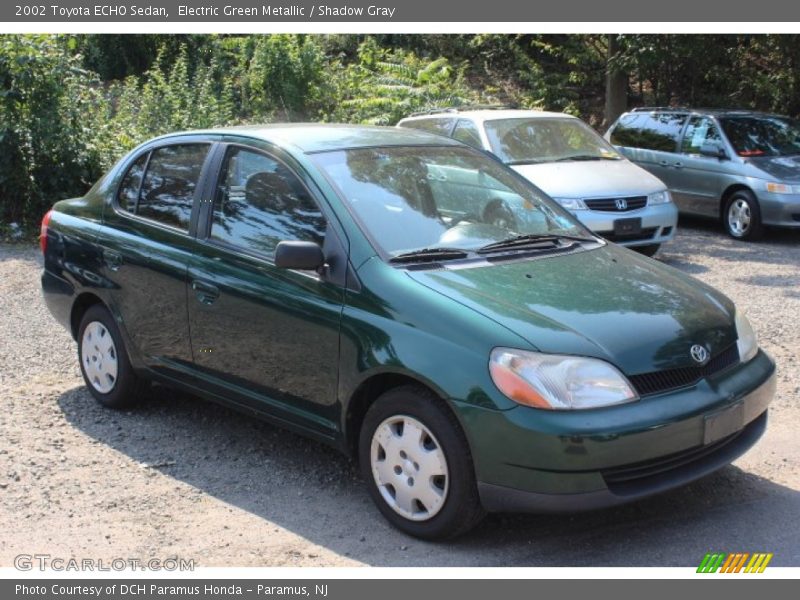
738, 562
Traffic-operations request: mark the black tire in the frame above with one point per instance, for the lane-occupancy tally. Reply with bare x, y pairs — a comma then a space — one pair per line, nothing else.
461, 509
498, 213
743, 200
649, 250
127, 388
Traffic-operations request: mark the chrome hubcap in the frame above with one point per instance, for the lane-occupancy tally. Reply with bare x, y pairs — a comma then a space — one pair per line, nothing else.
739, 217
99, 357
409, 468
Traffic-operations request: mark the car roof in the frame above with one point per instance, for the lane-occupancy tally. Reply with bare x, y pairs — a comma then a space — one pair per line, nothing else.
715, 112
489, 115
321, 137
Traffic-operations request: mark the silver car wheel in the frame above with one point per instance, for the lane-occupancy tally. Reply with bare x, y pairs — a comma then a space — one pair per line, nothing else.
409, 467
739, 217
99, 357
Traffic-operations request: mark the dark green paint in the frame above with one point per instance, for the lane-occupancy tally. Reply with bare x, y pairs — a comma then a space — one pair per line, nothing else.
296, 347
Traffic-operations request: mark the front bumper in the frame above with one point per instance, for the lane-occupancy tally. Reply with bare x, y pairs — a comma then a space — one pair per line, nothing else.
530, 460
782, 210
658, 224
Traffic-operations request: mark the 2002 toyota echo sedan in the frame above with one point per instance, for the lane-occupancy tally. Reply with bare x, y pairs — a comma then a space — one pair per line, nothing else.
341, 281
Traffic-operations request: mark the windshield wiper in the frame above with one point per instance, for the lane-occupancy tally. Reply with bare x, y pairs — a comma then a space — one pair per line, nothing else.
584, 157
526, 161
429, 254
532, 240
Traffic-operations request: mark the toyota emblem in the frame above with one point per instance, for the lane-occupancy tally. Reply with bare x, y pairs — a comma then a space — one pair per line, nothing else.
699, 354
621, 204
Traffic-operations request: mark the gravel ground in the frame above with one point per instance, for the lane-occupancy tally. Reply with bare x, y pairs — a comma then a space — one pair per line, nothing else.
181, 477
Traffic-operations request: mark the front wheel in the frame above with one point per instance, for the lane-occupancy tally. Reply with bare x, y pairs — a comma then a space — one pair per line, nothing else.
742, 216
417, 466
104, 362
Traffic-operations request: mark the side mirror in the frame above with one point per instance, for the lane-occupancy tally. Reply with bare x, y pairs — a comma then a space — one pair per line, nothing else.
304, 256
714, 150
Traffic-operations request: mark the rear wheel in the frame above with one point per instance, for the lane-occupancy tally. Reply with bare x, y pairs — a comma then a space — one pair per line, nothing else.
104, 361
417, 465
648, 250
742, 216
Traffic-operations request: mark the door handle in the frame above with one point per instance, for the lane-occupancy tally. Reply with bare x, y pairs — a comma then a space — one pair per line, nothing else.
678, 165
663, 163
205, 292
113, 260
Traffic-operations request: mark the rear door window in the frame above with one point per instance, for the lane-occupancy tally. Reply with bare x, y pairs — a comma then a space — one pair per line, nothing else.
650, 131
167, 191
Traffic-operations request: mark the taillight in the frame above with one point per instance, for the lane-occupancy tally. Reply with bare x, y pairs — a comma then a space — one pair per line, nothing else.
43, 231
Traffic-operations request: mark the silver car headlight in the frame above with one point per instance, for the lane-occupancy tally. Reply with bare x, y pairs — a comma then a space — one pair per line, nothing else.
571, 203
662, 197
557, 382
782, 188
746, 342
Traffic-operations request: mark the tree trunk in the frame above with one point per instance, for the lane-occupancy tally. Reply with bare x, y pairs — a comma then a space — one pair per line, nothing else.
616, 85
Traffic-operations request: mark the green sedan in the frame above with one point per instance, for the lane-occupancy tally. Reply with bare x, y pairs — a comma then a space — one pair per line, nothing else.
413, 303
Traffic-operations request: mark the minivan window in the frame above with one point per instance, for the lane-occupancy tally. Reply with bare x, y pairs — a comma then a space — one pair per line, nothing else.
129, 188
762, 136
467, 133
441, 126
167, 193
540, 139
700, 131
411, 198
260, 202
649, 131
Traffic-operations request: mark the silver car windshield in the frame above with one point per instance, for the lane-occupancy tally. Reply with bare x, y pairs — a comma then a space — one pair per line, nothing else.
439, 197
537, 140
762, 136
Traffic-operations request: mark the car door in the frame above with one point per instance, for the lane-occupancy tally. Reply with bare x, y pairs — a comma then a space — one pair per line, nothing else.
262, 336
699, 179
146, 244
650, 139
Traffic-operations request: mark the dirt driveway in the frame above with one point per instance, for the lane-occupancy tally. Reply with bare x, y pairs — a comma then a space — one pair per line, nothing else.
181, 477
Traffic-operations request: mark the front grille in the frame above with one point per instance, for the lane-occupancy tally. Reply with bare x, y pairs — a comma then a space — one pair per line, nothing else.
646, 233
613, 204
670, 379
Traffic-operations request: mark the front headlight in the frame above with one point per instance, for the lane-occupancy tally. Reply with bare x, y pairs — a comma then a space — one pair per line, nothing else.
747, 343
662, 197
557, 382
782, 188
571, 203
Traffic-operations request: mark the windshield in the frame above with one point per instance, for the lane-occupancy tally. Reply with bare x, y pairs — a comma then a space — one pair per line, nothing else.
762, 136
413, 198
521, 141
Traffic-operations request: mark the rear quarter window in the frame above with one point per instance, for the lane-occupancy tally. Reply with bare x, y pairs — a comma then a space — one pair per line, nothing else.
649, 131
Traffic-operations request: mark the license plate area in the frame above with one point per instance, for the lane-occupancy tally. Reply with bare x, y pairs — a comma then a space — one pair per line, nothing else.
627, 227
723, 423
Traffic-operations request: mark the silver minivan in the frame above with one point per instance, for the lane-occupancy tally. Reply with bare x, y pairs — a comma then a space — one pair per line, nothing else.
570, 162
741, 167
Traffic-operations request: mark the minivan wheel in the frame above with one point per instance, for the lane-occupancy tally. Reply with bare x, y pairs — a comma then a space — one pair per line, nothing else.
417, 465
104, 362
648, 250
742, 216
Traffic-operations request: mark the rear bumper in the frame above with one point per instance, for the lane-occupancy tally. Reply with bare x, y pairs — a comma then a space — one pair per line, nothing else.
59, 295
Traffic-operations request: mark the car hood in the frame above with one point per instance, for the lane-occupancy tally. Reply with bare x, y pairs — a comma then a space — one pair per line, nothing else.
782, 168
591, 179
610, 303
